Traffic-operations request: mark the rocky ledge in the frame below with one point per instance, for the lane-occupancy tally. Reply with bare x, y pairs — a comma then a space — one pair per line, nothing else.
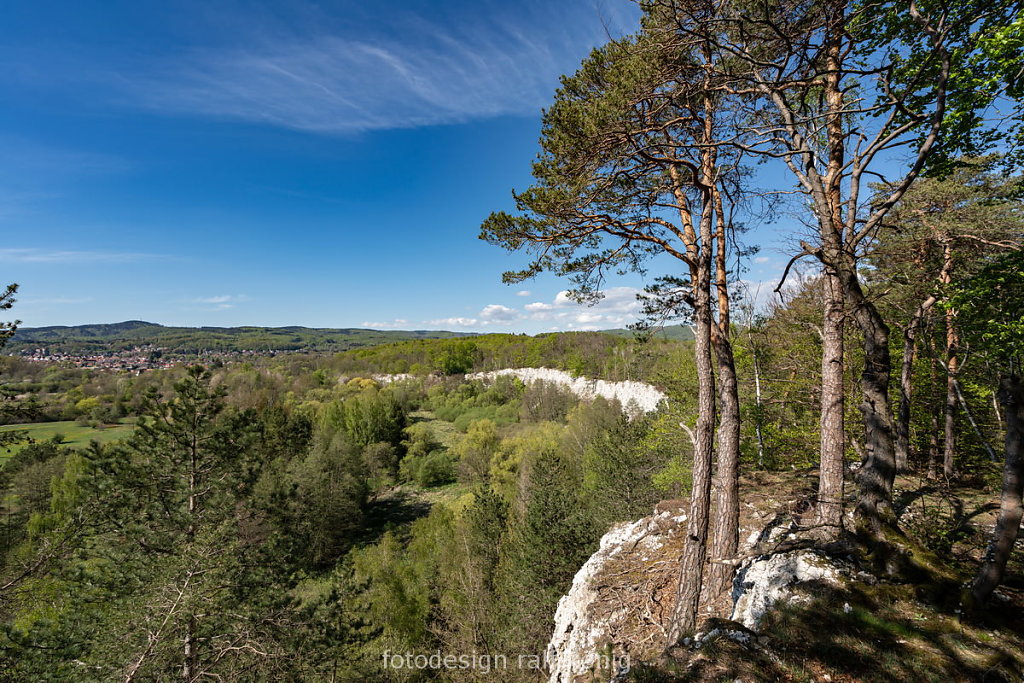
618, 606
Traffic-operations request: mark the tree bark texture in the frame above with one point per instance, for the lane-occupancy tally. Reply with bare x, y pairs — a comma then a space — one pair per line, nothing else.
694, 557
949, 409
907, 382
833, 405
1011, 510
727, 472
878, 474
701, 258
933, 439
952, 368
727, 512
830, 218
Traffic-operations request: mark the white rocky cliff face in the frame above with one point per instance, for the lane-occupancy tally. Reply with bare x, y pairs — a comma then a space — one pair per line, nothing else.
765, 582
612, 613
616, 611
635, 397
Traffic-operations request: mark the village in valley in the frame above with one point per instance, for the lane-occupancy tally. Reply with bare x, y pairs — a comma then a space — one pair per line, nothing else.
141, 358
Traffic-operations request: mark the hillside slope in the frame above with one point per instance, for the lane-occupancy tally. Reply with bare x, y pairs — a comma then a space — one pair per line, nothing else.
99, 338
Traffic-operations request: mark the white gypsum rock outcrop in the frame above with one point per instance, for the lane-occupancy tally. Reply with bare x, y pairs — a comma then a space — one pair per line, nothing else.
635, 397
612, 609
388, 379
616, 611
767, 581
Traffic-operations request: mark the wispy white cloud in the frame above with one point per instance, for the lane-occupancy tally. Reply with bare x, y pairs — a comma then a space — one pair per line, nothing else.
335, 85
496, 313
34, 255
221, 302
454, 322
618, 307
396, 324
419, 71
523, 292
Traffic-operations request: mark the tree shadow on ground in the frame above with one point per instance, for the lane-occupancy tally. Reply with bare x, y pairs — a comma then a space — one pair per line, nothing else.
394, 510
884, 632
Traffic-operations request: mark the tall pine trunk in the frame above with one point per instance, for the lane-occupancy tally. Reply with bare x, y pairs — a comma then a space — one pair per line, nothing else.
830, 219
933, 440
694, 556
949, 408
188, 669
906, 392
727, 512
952, 368
758, 403
833, 405
727, 470
839, 255
699, 248
907, 383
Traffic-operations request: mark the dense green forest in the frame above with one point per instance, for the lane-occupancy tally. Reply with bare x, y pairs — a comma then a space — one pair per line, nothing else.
295, 519
345, 515
98, 339
283, 507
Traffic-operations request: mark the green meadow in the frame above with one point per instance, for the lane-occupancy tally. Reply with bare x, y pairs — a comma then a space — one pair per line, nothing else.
74, 435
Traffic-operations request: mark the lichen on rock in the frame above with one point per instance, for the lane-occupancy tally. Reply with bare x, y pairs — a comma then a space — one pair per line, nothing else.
769, 580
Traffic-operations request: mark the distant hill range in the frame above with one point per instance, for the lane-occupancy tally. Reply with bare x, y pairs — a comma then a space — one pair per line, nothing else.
671, 332
103, 338
85, 340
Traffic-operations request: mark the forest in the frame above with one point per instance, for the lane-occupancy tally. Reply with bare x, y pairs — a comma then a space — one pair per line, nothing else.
385, 513
190, 341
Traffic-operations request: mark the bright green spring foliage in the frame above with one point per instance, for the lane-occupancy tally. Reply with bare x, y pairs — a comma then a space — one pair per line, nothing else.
982, 41
159, 557
990, 309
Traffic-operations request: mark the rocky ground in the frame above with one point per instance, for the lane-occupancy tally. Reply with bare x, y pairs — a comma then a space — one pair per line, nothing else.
796, 612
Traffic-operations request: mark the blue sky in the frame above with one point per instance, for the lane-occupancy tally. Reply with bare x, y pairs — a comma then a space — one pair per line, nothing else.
284, 163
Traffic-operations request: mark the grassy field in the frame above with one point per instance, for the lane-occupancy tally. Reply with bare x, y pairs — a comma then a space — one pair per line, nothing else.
75, 435
445, 432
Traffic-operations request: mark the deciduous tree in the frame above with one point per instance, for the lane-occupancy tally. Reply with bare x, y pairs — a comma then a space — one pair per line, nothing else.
836, 91
938, 233
991, 306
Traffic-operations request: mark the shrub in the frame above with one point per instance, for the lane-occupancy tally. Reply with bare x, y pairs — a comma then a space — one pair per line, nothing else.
436, 468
